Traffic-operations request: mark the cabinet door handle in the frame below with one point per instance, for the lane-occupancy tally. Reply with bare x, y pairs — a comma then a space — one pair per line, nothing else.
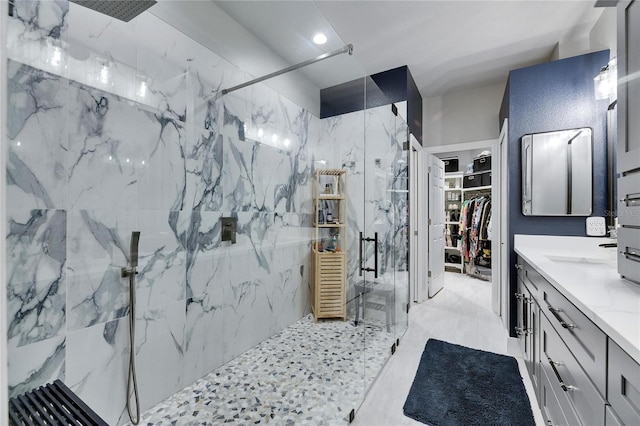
375, 252
631, 200
375, 265
525, 329
528, 302
563, 385
360, 255
632, 254
562, 322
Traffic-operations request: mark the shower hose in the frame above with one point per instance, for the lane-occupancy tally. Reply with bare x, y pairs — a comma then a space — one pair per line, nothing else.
132, 352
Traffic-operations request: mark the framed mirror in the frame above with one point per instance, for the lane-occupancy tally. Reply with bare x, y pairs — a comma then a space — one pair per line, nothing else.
557, 178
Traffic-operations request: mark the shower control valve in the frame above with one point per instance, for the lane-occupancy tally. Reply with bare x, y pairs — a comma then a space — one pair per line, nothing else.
127, 271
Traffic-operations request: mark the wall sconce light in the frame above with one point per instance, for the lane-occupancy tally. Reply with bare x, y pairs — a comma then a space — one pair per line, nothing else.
605, 84
103, 71
55, 51
142, 92
143, 83
56, 56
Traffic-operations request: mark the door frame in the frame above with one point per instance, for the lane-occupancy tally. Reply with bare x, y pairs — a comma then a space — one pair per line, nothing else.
497, 200
417, 269
435, 223
505, 271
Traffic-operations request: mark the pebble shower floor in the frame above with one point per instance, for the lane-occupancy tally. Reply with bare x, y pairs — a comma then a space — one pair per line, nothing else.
308, 374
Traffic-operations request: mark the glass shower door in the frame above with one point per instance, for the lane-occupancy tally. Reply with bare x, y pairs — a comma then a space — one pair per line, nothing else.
379, 249
400, 203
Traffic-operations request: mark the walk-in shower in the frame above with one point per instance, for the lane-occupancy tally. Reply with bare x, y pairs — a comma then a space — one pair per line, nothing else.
92, 156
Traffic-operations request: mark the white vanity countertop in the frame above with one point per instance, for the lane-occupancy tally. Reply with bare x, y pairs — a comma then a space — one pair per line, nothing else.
586, 275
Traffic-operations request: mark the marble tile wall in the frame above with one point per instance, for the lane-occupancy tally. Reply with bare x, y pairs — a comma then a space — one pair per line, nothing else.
115, 127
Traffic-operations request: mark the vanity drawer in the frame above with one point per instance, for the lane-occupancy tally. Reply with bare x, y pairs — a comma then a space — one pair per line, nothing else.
529, 277
629, 253
551, 407
587, 342
534, 281
623, 387
629, 200
569, 380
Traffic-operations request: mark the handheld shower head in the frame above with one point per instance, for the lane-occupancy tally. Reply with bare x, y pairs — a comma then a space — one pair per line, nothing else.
135, 239
131, 272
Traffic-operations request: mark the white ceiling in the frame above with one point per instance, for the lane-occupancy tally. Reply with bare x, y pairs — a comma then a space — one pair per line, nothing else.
448, 45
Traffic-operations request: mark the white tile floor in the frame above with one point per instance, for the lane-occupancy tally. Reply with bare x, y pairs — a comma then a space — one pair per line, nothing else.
460, 313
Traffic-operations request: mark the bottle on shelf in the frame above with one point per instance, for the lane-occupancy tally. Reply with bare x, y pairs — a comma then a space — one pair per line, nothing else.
328, 216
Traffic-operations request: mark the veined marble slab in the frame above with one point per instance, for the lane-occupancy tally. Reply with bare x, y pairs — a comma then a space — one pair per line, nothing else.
611, 302
36, 275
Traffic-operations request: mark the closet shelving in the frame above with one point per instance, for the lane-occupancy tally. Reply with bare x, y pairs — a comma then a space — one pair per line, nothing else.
453, 202
329, 258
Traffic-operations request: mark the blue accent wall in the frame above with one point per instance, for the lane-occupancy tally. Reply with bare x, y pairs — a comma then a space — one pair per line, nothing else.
383, 88
547, 97
414, 107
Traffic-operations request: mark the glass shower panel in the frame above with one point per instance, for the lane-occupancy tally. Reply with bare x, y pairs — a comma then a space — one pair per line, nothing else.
262, 123
378, 292
400, 203
346, 133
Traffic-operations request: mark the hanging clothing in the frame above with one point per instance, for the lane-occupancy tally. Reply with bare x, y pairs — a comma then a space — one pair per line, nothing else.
475, 216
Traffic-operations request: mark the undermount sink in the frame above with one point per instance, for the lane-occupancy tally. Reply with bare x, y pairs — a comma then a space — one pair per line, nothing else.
582, 260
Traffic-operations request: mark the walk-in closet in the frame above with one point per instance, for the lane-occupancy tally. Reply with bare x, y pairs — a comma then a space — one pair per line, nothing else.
468, 219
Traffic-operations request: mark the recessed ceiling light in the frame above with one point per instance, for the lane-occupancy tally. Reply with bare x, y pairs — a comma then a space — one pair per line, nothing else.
319, 38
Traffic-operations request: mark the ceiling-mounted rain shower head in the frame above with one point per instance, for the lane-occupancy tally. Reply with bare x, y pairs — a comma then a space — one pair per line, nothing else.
124, 10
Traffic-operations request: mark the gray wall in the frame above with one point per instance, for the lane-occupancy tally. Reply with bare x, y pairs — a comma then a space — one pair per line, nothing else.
465, 116
471, 115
